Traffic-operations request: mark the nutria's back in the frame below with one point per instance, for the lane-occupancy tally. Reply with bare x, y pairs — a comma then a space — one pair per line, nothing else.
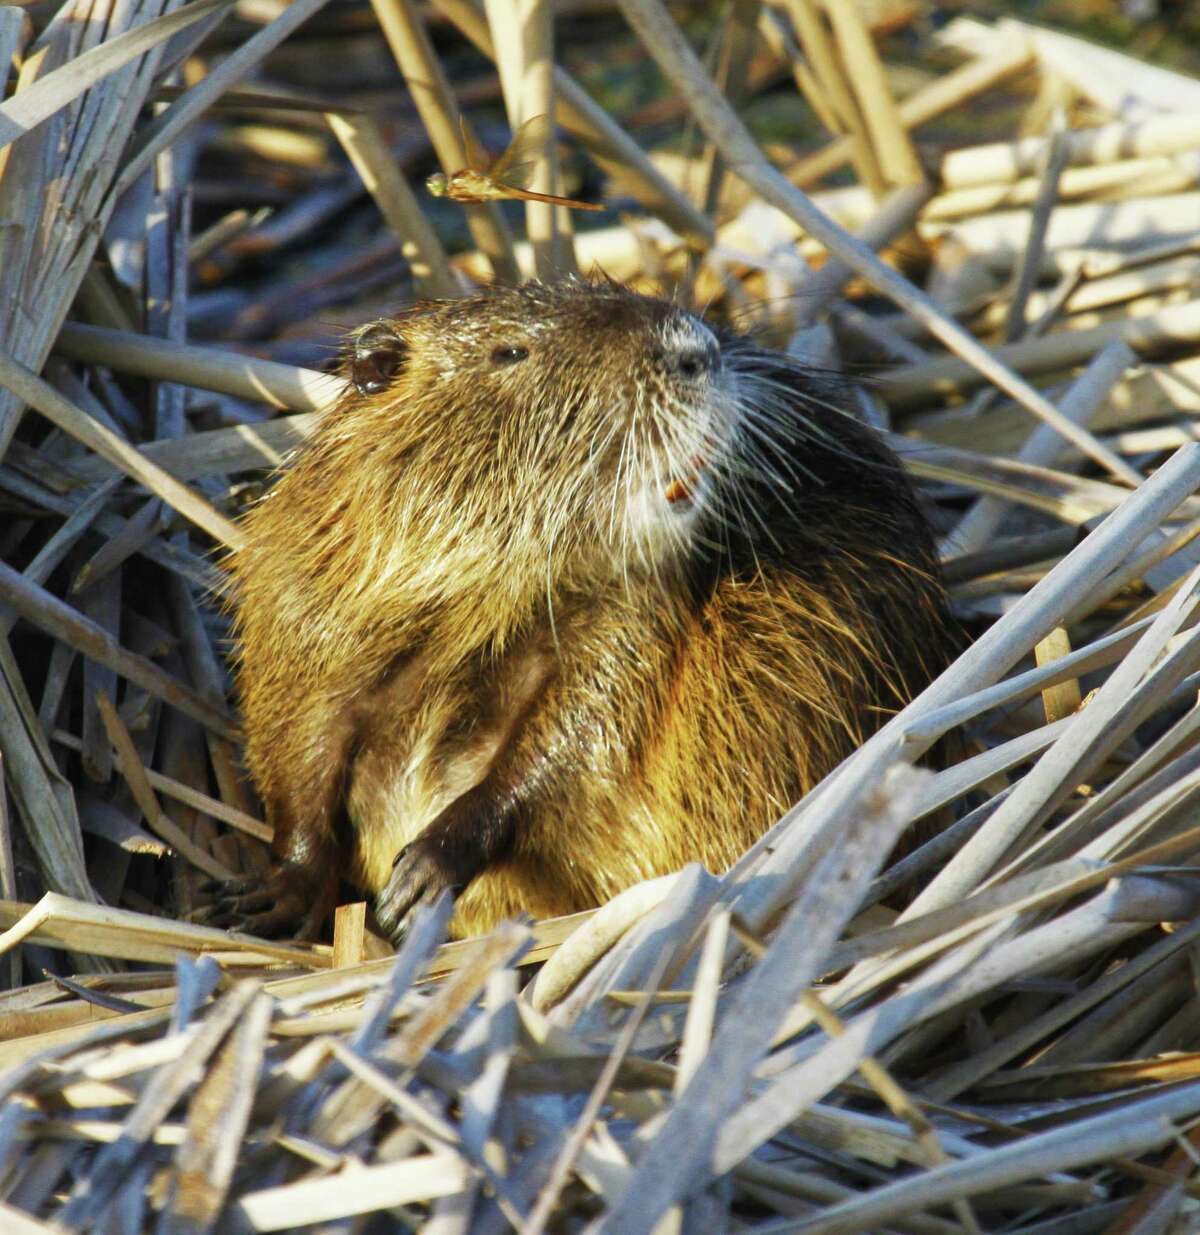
569, 591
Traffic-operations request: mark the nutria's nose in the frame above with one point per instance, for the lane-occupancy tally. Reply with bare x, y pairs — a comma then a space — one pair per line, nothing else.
689, 351
695, 362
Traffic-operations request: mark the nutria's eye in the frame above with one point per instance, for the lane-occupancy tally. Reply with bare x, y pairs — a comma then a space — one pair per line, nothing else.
509, 355
379, 354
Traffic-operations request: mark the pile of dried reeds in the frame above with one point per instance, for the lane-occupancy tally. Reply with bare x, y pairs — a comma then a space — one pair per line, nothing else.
773, 1050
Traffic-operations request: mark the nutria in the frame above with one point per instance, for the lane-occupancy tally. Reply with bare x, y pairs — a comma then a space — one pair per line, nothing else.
569, 590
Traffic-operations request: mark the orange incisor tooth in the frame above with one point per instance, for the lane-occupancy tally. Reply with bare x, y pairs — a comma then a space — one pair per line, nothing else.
683, 488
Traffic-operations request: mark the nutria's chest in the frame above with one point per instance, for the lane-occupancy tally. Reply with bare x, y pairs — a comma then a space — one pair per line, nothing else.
425, 734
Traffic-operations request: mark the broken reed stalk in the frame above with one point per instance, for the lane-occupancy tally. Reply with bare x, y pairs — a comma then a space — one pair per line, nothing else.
815, 38
1081, 296
1139, 1127
50, 614
171, 788
14, 32
32, 390
524, 58
218, 451
1031, 261
894, 151
1093, 733
56, 184
139, 785
779, 38
161, 132
894, 218
936, 99
1080, 403
246, 377
1008, 161
1153, 334
367, 150
48, 95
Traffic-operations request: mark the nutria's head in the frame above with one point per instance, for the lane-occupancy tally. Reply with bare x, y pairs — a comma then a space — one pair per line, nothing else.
577, 420
497, 454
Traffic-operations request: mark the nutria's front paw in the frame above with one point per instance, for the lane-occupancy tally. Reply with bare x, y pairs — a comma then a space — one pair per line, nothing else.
286, 902
419, 873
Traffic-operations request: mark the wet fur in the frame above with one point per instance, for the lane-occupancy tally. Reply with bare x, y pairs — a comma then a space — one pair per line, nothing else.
445, 603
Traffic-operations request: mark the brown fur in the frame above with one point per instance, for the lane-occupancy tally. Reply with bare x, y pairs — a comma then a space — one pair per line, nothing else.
469, 618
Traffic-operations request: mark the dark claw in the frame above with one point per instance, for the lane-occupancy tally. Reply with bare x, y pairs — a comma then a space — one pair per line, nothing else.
288, 901
418, 876
224, 888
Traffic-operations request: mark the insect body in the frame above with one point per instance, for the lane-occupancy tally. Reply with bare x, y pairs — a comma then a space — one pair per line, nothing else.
487, 180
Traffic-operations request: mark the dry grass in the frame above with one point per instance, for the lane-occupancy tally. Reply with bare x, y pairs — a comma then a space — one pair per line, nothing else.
772, 1050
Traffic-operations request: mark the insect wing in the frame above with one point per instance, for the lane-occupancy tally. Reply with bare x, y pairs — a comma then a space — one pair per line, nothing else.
516, 176
515, 166
478, 159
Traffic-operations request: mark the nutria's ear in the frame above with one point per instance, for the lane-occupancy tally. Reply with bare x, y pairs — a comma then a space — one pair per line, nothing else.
378, 354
